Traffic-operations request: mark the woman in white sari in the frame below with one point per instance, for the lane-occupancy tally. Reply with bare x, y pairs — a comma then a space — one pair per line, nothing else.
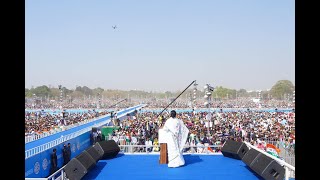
178, 137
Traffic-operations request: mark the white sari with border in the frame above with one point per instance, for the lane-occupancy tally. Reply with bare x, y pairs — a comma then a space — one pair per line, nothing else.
176, 141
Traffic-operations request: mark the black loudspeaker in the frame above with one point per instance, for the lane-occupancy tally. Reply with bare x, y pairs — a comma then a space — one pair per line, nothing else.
94, 153
75, 170
234, 149
86, 160
267, 167
107, 149
78, 166
250, 156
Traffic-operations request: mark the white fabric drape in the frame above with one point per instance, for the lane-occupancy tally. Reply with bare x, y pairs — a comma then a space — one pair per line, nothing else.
175, 143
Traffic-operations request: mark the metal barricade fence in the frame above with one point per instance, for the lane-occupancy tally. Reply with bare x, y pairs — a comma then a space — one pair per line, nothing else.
43, 147
203, 149
289, 169
123, 143
46, 146
286, 152
33, 137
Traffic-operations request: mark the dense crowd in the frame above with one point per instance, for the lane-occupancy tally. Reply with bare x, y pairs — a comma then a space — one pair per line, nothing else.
159, 103
40, 122
77, 104
226, 103
250, 126
142, 129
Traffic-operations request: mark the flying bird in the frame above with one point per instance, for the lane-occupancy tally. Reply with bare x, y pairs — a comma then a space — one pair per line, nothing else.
114, 27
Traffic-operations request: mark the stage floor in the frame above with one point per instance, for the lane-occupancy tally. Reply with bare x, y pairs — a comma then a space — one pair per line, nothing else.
147, 167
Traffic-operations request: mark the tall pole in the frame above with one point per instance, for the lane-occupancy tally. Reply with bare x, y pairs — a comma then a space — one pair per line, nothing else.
208, 89
117, 103
99, 101
293, 96
60, 88
194, 94
176, 98
209, 102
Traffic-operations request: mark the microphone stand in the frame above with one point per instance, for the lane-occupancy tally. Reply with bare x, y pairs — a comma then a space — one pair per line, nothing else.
111, 116
176, 98
118, 102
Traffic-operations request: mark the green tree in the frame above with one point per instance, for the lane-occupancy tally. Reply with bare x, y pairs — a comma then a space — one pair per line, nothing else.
97, 91
66, 91
86, 91
41, 91
242, 93
27, 92
76, 95
280, 88
78, 88
221, 92
265, 94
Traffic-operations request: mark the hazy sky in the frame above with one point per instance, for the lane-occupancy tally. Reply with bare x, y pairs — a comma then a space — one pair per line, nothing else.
159, 44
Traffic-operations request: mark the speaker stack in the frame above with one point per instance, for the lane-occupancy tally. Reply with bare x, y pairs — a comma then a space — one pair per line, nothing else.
234, 149
260, 163
79, 166
107, 149
250, 156
263, 165
94, 153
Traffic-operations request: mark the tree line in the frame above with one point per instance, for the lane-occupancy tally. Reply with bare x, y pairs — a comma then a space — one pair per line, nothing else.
281, 90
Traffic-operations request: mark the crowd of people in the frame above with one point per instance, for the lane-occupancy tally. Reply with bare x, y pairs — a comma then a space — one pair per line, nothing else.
40, 122
76, 104
240, 102
226, 103
142, 129
250, 126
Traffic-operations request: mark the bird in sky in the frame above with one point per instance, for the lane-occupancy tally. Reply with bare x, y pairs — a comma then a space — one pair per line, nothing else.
114, 27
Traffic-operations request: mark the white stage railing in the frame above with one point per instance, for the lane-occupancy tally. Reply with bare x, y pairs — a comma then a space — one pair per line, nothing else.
34, 137
290, 170
36, 150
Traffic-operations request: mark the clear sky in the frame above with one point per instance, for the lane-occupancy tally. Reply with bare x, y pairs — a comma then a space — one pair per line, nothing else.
159, 45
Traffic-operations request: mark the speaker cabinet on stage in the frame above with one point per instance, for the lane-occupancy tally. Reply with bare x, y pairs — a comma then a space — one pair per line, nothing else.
107, 149
86, 160
78, 166
75, 170
234, 149
94, 153
250, 156
267, 167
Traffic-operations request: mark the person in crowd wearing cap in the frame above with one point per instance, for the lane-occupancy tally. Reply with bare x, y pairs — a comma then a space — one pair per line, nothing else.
175, 144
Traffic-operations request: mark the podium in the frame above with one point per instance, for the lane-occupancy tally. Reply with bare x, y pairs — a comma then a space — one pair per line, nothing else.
163, 154
163, 146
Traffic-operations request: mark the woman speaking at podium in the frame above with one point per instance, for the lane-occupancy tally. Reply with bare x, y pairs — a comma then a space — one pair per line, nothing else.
176, 140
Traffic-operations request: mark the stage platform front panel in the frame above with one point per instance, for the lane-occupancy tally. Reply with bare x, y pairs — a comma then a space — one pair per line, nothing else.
147, 167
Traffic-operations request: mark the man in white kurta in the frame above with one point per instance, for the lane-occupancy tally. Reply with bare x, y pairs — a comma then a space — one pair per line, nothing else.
176, 141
